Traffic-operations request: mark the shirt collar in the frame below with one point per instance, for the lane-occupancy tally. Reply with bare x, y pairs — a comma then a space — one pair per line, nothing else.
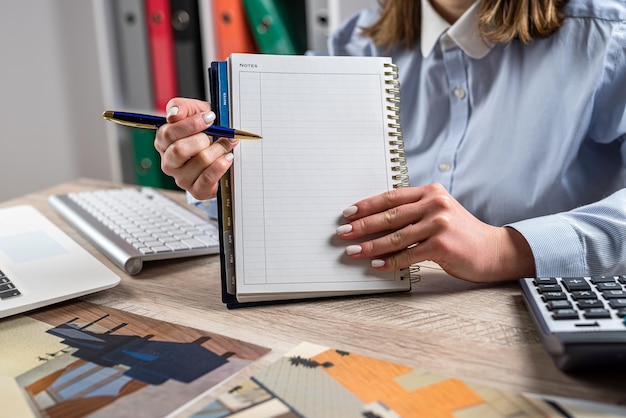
463, 33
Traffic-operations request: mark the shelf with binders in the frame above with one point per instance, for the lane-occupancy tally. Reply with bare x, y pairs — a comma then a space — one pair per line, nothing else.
159, 55
159, 49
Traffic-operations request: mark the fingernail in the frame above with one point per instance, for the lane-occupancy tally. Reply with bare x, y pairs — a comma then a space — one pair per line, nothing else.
353, 249
378, 263
229, 156
233, 140
350, 211
344, 229
209, 117
171, 112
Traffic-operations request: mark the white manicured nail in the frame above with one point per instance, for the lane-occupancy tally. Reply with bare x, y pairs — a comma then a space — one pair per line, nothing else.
350, 211
378, 263
171, 112
344, 229
229, 156
209, 117
353, 249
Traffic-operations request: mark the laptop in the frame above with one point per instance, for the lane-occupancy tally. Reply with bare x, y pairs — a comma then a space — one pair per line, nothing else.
41, 265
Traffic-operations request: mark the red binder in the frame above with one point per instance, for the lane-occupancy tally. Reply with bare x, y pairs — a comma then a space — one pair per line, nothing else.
232, 32
161, 47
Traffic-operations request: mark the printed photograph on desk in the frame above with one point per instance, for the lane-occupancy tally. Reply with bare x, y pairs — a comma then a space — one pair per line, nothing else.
82, 359
317, 381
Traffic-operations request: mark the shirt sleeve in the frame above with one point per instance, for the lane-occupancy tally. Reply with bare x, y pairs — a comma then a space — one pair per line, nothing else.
586, 241
590, 240
208, 206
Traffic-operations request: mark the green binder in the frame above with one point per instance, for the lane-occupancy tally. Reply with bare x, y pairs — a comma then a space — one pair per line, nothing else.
278, 26
147, 161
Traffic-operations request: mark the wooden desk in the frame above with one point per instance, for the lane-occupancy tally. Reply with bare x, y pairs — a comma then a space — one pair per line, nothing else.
480, 333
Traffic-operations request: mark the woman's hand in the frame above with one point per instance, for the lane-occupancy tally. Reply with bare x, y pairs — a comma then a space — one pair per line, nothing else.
187, 154
415, 224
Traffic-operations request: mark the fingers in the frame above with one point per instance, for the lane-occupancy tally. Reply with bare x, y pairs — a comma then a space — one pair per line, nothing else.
390, 199
180, 108
171, 132
207, 165
404, 226
394, 210
187, 154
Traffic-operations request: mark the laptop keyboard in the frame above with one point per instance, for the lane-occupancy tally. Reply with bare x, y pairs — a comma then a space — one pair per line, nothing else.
7, 289
134, 225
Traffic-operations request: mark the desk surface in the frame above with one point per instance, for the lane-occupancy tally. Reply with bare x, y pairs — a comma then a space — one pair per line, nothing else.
479, 333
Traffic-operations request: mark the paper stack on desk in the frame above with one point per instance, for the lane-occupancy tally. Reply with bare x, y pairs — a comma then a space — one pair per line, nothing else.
82, 359
317, 381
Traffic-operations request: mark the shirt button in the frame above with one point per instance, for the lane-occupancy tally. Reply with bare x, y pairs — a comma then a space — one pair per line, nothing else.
459, 93
445, 167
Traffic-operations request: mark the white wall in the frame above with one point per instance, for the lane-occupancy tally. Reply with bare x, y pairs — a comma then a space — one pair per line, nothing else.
50, 96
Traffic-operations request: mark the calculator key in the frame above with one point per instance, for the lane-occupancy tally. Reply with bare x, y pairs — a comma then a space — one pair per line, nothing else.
602, 279
555, 287
575, 283
558, 304
609, 286
565, 314
590, 303
617, 303
584, 294
614, 294
597, 313
544, 280
554, 296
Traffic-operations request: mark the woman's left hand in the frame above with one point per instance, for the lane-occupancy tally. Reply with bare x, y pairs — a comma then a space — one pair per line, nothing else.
427, 223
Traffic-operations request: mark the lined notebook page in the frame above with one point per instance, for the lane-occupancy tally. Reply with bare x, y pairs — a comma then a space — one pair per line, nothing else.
325, 146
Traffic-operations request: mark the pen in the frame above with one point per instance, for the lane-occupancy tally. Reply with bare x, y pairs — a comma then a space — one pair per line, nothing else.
138, 120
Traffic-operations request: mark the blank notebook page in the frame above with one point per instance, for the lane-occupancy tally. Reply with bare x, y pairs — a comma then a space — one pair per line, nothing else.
325, 146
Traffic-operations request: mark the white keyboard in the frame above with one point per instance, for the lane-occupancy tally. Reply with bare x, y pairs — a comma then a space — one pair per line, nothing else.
133, 225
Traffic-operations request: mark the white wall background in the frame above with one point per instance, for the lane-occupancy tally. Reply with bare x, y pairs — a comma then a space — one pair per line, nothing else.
50, 96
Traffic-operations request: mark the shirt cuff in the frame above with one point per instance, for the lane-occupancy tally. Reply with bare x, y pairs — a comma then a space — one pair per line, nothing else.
556, 246
208, 206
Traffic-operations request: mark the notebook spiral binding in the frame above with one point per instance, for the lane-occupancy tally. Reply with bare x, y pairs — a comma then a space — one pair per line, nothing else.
397, 146
395, 130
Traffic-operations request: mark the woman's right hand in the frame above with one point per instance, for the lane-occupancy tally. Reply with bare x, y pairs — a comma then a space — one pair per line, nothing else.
189, 155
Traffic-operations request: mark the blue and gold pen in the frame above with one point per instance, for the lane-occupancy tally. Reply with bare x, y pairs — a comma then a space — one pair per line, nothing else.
138, 120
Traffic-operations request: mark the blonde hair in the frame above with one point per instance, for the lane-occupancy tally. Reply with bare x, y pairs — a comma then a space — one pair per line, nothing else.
500, 21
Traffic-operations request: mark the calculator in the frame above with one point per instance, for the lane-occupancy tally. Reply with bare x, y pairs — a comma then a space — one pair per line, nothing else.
580, 320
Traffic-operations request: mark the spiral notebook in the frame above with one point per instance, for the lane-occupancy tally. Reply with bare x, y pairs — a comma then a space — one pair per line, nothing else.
331, 137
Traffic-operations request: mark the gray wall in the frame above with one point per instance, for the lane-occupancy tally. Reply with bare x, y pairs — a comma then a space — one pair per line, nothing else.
50, 96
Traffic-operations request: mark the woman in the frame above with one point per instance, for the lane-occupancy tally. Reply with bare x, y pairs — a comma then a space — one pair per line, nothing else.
513, 114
